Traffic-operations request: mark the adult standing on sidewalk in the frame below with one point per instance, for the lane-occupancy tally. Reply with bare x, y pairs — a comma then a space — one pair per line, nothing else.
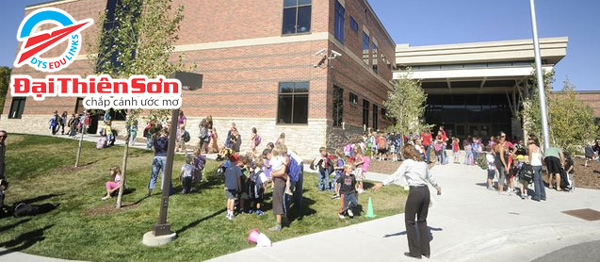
535, 159
417, 175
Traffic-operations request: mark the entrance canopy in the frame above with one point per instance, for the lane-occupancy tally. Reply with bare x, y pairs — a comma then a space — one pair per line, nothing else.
473, 87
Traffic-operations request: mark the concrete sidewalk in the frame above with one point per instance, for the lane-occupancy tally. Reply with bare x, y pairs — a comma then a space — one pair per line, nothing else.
467, 223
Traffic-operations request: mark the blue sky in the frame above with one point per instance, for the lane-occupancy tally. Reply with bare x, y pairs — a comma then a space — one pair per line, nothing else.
431, 22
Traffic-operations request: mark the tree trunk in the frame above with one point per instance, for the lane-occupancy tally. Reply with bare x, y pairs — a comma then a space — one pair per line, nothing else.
123, 172
80, 145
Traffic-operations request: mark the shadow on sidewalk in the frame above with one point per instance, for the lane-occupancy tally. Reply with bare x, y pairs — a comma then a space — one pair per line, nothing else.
24, 241
429, 230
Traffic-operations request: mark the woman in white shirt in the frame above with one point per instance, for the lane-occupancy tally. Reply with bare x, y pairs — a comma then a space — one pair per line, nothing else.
535, 158
417, 175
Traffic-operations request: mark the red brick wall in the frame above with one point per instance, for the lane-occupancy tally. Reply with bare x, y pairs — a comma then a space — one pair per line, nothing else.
592, 99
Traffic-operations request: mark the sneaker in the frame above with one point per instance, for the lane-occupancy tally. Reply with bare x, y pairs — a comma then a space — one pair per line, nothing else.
105, 198
230, 217
251, 211
360, 190
259, 212
341, 216
523, 196
335, 197
350, 214
289, 192
276, 228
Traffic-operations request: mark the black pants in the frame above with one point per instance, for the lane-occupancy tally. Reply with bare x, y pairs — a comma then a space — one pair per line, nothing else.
417, 204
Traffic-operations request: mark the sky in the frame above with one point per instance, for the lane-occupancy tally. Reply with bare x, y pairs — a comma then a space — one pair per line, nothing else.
433, 22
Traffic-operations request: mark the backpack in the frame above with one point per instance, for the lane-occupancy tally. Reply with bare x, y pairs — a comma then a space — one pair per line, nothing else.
526, 173
257, 140
186, 136
294, 169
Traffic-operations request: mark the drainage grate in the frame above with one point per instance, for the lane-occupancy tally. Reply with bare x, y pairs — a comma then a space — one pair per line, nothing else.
587, 214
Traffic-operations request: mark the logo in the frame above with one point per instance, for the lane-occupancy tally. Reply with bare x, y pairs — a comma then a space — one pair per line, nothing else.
36, 44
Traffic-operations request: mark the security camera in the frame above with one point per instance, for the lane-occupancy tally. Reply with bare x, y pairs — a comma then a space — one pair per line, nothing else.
321, 52
334, 54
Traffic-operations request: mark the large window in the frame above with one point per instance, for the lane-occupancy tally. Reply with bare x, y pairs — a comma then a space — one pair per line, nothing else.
366, 105
375, 116
366, 48
353, 24
338, 105
339, 21
292, 107
375, 57
296, 16
16, 107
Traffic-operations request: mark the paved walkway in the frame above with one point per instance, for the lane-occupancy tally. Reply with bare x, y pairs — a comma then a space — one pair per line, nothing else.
467, 223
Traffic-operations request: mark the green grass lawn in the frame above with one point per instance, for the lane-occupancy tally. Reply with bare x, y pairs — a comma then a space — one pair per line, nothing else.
83, 227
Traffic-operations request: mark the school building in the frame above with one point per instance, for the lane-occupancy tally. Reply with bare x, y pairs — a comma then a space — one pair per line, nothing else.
317, 70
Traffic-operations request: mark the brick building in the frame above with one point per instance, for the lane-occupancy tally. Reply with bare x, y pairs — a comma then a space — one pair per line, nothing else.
317, 70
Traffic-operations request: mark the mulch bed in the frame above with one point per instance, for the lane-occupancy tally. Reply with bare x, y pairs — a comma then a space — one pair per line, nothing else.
384, 167
110, 209
586, 177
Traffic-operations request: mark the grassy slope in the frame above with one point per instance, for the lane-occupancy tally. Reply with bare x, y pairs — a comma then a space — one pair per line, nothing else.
42, 166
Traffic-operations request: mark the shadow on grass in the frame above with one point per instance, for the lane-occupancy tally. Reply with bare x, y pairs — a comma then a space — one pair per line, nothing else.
40, 198
197, 222
21, 209
8, 227
24, 241
298, 213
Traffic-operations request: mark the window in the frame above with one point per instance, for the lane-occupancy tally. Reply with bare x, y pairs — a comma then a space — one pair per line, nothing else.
296, 16
338, 106
384, 114
365, 113
366, 48
375, 116
292, 107
339, 21
116, 13
16, 107
353, 98
374, 58
79, 105
353, 24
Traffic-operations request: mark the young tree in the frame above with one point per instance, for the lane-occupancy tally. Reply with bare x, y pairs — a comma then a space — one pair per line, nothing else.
4, 82
571, 121
406, 104
138, 39
531, 115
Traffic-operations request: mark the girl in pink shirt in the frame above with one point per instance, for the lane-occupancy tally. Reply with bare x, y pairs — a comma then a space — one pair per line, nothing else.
115, 184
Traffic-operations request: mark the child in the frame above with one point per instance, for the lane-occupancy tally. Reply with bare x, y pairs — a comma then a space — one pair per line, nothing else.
456, 150
569, 171
187, 171
362, 166
325, 167
133, 132
393, 152
266, 168
339, 171
115, 184
255, 188
233, 183
199, 162
589, 154
348, 192
277, 162
491, 170
244, 195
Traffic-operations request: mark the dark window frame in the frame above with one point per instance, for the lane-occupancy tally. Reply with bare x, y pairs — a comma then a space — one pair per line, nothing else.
353, 98
339, 21
297, 7
375, 116
338, 106
366, 49
293, 95
366, 107
374, 56
17, 107
353, 24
